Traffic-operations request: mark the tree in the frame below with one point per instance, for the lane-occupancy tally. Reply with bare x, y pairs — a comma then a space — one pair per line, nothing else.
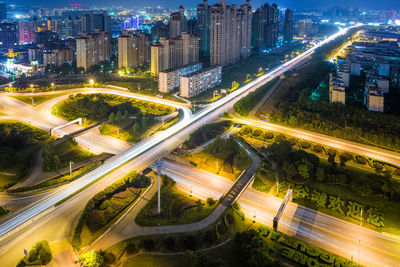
320, 174
135, 131
251, 249
92, 259
331, 160
280, 152
289, 169
112, 118
126, 115
118, 118
343, 161
190, 259
304, 171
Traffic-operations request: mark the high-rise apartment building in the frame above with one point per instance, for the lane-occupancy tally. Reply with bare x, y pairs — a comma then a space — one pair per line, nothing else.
57, 57
288, 28
203, 26
157, 58
133, 49
69, 27
257, 30
174, 53
265, 27
92, 21
45, 37
177, 23
3, 11
26, 30
92, 48
230, 34
158, 30
271, 24
8, 36
305, 27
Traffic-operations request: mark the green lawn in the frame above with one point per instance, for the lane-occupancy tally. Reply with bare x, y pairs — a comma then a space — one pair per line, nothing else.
37, 99
153, 261
107, 206
62, 179
223, 157
239, 71
98, 107
148, 86
118, 130
206, 133
176, 207
70, 151
19, 145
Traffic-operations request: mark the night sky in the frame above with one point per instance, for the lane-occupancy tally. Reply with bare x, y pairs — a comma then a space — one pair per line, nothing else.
383, 4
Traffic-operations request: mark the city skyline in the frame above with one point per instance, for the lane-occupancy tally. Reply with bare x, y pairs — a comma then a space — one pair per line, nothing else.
203, 133
386, 4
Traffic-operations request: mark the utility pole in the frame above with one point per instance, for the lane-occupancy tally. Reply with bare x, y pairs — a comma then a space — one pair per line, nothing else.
70, 168
159, 164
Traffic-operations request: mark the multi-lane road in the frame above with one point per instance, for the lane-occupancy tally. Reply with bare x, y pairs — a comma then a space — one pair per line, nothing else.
43, 214
353, 147
365, 246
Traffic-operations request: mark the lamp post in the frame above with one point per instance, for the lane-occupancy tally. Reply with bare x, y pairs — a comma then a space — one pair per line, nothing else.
52, 86
159, 164
31, 88
70, 168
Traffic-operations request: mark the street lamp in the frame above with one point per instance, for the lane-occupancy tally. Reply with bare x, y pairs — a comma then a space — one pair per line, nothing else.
91, 82
159, 164
52, 86
70, 168
31, 87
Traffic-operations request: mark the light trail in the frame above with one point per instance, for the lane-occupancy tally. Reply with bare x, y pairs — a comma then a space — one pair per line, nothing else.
27, 215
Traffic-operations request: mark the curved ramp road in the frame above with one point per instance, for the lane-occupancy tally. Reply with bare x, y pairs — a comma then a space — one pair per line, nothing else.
41, 117
149, 147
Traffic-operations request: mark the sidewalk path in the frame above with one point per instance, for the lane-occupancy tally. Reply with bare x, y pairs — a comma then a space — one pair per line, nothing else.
253, 112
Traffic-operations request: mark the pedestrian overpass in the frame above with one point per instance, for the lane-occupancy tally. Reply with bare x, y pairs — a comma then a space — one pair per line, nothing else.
288, 197
53, 131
